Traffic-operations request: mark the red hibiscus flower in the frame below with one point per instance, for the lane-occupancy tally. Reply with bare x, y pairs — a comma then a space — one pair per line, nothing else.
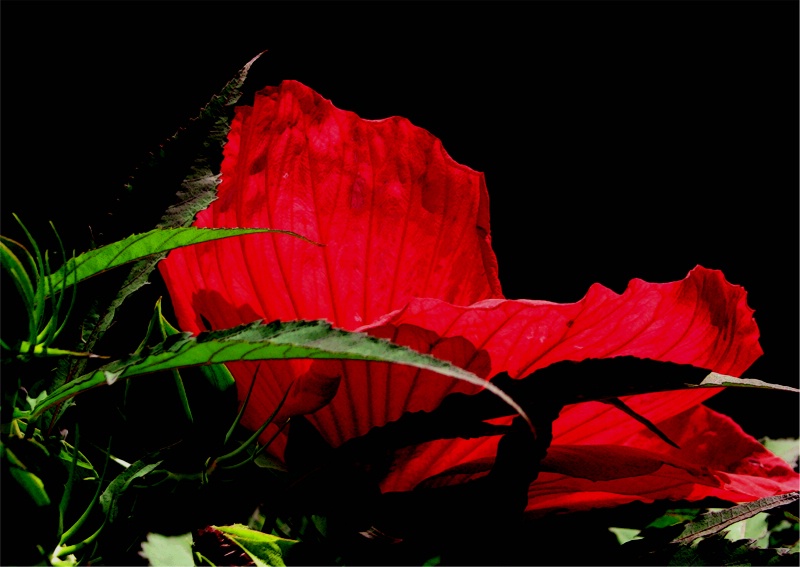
407, 256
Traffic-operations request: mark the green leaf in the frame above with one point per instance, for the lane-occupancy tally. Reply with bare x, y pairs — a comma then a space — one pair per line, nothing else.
68, 457
264, 549
32, 484
625, 535
17, 271
32, 402
275, 341
22, 281
199, 187
754, 528
168, 551
110, 496
192, 154
29, 482
787, 449
714, 522
138, 246
715, 380
41, 350
217, 375
266, 461
674, 516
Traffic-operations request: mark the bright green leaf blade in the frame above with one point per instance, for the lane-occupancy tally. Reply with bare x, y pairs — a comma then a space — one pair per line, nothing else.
24, 253
11, 264
32, 402
67, 456
14, 267
624, 535
42, 350
168, 551
152, 335
32, 484
166, 327
275, 341
264, 549
138, 246
218, 376
714, 522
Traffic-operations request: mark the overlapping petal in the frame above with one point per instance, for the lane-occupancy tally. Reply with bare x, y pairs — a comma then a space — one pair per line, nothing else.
701, 320
716, 459
405, 253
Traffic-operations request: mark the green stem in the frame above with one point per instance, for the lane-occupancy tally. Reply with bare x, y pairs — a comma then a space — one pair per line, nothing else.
77, 525
203, 560
62, 506
62, 551
241, 409
254, 437
254, 455
13, 404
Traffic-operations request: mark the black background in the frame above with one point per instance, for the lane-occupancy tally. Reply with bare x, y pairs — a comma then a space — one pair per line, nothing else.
618, 140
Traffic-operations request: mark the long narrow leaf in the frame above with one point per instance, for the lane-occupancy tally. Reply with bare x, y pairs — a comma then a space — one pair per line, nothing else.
191, 152
275, 341
88, 510
138, 246
715, 380
16, 269
39, 274
62, 507
11, 264
110, 496
713, 522
217, 375
62, 290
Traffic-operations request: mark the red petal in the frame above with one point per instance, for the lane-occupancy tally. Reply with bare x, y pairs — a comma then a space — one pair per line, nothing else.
375, 193
397, 216
405, 228
701, 320
716, 459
